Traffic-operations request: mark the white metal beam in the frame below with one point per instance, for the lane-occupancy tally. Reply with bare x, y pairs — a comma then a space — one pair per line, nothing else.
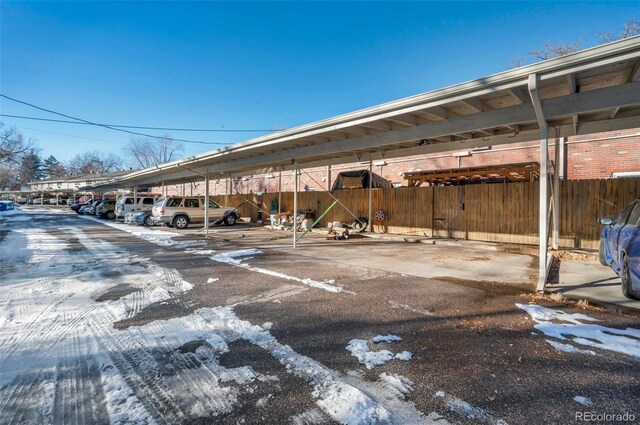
543, 190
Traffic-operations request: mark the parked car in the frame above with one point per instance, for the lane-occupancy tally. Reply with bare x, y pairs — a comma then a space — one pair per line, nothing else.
89, 209
127, 204
37, 201
6, 206
60, 201
141, 218
21, 201
77, 206
620, 247
106, 209
182, 211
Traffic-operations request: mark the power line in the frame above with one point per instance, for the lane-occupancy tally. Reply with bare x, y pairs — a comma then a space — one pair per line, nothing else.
135, 133
219, 130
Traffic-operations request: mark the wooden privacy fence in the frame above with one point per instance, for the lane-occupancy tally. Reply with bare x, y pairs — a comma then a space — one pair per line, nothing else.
504, 212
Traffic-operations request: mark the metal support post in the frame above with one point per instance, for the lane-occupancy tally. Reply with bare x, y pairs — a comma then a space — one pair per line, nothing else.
295, 206
206, 204
556, 198
135, 198
328, 178
280, 192
370, 195
227, 189
543, 224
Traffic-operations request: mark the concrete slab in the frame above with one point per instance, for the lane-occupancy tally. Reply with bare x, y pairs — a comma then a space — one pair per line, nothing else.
457, 261
594, 282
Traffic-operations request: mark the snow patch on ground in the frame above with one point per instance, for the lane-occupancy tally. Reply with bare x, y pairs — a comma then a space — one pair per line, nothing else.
359, 348
155, 236
213, 279
626, 341
461, 407
386, 338
399, 383
122, 404
582, 400
568, 348
236, 258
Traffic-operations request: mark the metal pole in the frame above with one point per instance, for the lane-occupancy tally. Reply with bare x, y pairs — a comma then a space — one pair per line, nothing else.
544, 201
295, 206
556, 197
543, 222
227, 189
370, 195
279, 192
328, 178
206, 204
135, 198
163, 191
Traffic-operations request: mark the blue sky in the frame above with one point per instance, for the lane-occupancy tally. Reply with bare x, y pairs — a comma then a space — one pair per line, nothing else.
256, 65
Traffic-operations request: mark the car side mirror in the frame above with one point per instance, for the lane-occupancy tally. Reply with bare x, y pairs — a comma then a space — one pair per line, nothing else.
607, 221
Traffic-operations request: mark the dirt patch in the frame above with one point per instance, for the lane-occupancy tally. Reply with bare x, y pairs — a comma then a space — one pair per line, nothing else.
574, 256
117, 292
164, 310
477, 258
191, 346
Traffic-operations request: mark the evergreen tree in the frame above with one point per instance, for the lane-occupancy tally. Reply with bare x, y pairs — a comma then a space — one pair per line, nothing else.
31, 167
53, 168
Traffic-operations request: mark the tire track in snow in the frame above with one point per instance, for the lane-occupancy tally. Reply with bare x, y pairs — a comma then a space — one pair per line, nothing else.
145, 383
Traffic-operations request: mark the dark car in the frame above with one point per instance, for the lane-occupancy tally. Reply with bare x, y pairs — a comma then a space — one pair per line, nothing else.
76, 207
620, 247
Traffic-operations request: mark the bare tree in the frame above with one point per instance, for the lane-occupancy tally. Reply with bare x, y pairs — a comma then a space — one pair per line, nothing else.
13, 148
554, 50
94, 162
13, 145
629, 29
147, 152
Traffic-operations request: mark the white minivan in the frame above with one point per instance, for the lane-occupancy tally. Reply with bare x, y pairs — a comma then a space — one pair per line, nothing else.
127, 204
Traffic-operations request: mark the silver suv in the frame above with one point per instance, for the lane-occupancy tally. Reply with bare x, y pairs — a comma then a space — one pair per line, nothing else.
182, 211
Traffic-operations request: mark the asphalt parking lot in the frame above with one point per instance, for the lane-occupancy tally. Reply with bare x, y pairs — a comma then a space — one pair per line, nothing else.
240, 329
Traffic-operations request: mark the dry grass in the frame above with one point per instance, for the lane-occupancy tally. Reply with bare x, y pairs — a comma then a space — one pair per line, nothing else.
558, 298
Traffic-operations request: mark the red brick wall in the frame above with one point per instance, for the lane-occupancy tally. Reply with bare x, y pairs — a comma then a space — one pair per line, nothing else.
595, 156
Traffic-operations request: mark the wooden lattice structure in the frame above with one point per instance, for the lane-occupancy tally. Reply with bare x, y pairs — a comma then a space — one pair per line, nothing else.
520, 172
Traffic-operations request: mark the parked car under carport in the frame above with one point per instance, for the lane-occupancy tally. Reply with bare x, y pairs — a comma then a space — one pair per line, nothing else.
620, 247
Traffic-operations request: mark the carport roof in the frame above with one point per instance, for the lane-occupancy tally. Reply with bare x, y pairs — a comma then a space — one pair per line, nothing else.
589, 91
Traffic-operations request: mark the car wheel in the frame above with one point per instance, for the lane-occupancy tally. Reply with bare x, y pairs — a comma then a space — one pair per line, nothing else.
181, 222
602, 257
625, 277
147, 221
230, 219
111, 215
